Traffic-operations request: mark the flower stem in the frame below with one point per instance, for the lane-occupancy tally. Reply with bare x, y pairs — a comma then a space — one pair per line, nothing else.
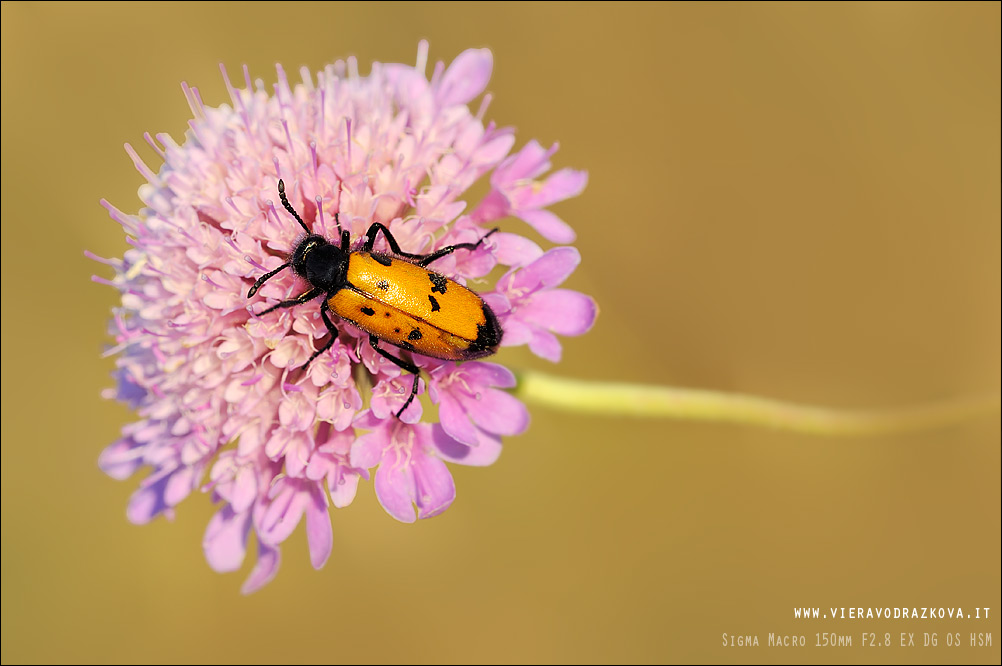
615, 399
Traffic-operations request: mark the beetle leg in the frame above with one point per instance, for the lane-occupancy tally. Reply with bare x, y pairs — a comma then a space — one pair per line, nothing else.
370, 241
409, 367
424, 259
324, 309
302, 298
449, 249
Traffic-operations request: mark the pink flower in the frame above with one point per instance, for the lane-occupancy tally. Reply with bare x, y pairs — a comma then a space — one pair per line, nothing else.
531, 310
471, 410
514, 192
202, 370
409, 471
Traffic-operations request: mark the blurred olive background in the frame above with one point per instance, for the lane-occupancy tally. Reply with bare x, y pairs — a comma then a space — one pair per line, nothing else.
793, 200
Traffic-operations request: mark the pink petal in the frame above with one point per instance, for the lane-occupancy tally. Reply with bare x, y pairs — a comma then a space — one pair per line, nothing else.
497, 302
484, 453
278, 444
268, 560
456, 422
475, 264
320, 466
551, 227
515, 250
490, 374
338, 406
466, 77
127, 390
297, 411
409, 83
560, 311
291, 352
225, 541
516, 332
497, 412
218, 299
121, 459
283, 515
179, 485
318, 529
394, 490
549, 270
435, 489
368, 449
561, 185
343, 491
494, 206
527, 163
494, 149
244, 489
545, 345
297, 455
389, 396
251, 441
147, 502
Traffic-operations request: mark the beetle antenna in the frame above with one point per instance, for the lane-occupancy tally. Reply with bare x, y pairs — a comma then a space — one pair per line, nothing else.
264, 278
288, 206
340, 191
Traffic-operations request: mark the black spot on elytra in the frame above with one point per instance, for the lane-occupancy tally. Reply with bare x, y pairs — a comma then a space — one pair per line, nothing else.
381, 259
383, 284
368, 311
396, 330
414, 335
434, 304
386, 314
440, 283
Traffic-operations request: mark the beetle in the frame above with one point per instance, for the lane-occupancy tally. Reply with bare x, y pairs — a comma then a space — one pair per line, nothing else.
392, 297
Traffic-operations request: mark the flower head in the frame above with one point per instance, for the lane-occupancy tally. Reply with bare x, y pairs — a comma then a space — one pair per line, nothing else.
203, 370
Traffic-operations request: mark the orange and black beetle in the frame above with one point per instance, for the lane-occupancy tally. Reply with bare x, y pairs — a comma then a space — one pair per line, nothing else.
392, 297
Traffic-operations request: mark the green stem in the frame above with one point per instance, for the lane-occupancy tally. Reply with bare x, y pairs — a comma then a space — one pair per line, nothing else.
612, 399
